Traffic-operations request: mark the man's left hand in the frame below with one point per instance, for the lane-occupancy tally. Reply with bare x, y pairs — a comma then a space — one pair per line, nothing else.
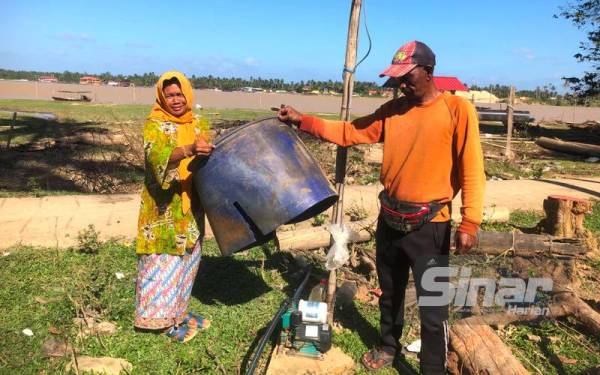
464, 242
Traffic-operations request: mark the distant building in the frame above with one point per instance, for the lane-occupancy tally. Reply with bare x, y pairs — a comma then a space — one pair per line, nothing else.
126, 83
89, 80
48, 79
451, 84
112, 83
252, 89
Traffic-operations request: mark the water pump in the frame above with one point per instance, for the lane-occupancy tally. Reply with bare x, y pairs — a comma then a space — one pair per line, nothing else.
304, 329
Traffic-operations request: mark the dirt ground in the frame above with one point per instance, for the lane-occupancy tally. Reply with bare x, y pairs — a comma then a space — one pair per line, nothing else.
264, 101
106, 157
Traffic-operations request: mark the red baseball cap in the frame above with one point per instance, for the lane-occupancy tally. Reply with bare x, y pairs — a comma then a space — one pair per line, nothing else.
408, 57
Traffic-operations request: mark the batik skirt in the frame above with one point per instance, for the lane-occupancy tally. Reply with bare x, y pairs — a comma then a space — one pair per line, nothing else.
164, 286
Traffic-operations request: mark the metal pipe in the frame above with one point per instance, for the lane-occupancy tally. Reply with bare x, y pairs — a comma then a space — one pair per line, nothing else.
284, 306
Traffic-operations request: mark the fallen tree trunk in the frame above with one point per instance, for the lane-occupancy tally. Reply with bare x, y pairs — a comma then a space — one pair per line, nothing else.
527, 245
478, 350
314, 238
481, 351
491, 243
580, 310
575, 148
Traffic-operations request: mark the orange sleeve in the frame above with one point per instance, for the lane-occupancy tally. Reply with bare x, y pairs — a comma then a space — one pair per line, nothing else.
471, 175
367, 129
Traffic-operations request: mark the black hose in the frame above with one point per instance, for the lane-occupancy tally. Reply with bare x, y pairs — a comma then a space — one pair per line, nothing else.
284, 306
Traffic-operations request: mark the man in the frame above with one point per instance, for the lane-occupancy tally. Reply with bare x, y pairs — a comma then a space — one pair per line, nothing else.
431, 150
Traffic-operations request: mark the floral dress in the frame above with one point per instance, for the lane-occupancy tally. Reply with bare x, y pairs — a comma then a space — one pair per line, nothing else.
163, 228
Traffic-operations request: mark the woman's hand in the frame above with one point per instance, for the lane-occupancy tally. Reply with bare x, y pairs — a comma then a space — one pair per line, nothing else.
201, 148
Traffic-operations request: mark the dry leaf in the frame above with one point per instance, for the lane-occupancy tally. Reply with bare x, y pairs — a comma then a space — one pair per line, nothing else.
45, 301
53, 330
554, 339
534, 338
102, 365
54, 347
90, 327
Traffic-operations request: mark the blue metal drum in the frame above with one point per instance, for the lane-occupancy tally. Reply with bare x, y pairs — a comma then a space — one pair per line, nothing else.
259, 177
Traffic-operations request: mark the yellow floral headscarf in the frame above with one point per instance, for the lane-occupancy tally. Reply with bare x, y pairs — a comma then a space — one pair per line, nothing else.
185, 128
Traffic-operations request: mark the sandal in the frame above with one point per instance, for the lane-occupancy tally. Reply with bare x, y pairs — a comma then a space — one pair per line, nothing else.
377, 358
196, 321
182, 333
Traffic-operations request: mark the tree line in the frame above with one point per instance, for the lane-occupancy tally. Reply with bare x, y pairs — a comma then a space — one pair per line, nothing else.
203, 82
544, 94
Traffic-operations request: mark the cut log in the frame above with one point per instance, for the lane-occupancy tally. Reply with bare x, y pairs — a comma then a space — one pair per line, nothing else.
565, 215
526, 245
481, 351
314, 238
491, 243
574, 148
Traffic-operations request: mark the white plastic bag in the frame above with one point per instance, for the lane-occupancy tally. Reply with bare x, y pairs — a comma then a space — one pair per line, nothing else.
338, 253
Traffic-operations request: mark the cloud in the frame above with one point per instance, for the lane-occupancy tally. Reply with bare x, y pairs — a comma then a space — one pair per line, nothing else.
525, 53
77, 37
251, 62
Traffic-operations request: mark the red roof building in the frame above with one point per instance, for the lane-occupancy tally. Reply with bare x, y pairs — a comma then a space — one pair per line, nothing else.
89, 80
48, 79
449, 84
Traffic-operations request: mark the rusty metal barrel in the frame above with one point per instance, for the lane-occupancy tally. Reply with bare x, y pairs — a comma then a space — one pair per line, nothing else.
258, 177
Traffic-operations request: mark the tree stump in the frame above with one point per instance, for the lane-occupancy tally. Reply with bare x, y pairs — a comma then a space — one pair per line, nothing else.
565, 215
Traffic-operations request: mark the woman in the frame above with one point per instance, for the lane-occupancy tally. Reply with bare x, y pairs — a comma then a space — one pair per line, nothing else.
171, 222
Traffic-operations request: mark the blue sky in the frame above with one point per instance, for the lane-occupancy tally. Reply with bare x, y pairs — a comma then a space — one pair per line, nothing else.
481, 42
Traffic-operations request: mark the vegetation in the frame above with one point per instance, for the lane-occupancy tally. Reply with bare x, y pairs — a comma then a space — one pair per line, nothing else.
44, 290
204, 82
585, 15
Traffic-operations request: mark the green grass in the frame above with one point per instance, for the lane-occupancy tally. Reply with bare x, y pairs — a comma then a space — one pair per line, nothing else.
111, 113
570, 342
519, 219
239, 294
592, 221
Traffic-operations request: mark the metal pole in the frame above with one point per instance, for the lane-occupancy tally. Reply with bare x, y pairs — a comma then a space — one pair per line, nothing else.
342, 152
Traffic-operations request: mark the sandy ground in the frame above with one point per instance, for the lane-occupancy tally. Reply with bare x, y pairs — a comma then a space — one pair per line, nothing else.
55, 221
264, 101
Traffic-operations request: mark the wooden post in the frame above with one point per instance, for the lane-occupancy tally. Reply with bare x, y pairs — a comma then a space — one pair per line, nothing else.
10, 132
509, 121
342, 152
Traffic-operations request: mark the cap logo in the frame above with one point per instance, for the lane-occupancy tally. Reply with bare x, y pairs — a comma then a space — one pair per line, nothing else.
400, 56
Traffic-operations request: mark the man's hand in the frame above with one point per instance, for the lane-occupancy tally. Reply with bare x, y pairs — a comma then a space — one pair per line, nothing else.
289, 116
464, 242
201, 148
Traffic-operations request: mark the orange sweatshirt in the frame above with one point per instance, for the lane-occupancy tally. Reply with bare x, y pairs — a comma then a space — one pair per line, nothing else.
430, 152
